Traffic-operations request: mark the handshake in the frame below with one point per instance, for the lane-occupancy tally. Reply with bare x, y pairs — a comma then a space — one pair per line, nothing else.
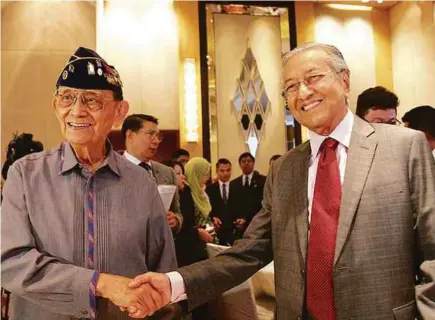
140, 297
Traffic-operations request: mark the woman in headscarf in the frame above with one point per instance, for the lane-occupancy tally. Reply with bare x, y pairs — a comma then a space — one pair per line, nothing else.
197, 229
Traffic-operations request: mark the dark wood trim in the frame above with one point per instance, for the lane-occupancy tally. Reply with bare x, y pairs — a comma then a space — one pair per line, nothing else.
206, 151
290, 5
293, 44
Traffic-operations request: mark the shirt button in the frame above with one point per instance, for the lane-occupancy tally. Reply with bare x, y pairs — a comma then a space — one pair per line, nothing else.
85, 312
303, 271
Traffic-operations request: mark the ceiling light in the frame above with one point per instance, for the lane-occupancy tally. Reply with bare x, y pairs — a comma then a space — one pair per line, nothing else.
349, 7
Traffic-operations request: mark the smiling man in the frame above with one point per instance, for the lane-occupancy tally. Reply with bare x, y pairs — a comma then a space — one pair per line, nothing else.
70, 216
340, 228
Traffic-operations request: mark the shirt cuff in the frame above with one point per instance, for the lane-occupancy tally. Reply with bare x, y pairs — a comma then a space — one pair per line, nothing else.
92, 297
178, 289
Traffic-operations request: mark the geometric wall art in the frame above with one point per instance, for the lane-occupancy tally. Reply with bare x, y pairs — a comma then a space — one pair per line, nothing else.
251, 101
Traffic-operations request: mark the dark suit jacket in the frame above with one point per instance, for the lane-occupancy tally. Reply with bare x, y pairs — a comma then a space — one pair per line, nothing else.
248, 200
188, 246
388, 191
223, 211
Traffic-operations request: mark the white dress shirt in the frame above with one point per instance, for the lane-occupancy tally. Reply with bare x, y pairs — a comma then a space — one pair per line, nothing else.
136, 161
342, 134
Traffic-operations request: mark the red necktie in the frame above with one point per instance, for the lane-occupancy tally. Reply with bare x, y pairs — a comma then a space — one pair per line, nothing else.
323, 232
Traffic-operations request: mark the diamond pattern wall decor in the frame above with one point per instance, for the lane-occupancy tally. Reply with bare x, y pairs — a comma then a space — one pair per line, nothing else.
251, 101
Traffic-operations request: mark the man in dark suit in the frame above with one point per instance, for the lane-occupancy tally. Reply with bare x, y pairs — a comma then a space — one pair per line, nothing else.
248, 193
340, 213
222, 202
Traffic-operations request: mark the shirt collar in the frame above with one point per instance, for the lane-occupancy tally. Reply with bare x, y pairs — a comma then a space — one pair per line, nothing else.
341, 133
221, 183
135, 160
249, 175
68, 159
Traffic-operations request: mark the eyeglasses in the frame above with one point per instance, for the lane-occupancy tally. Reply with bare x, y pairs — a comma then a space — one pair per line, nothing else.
309, 81
394, 122
94, 101
155, 135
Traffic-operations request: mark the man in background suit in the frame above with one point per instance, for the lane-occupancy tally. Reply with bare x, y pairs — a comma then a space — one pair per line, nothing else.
222, 200
248, 193
339, 213
422, 118
142, 138
378, 105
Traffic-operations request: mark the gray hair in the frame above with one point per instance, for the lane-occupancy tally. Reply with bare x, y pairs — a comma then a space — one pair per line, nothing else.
336, 59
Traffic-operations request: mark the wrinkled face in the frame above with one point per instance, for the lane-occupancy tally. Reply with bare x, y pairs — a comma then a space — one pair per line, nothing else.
183, 159
315, 93
247, 165
224, 172
144, 142
87, 116
181, 179
387, 116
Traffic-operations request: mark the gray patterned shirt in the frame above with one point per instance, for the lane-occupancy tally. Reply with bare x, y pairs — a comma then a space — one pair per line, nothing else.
44, 232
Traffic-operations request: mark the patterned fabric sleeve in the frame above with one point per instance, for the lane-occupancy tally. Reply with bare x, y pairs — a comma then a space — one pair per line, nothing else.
92, 297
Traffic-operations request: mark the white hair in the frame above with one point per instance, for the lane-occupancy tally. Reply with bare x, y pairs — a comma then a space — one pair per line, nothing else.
336, 59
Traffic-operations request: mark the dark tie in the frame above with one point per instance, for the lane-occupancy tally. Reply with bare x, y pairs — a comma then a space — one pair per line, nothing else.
246, 181
147, 167
323, 231
224, 193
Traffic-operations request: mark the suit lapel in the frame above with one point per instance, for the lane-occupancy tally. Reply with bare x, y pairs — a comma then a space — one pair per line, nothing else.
217, 192
359, 160
298, 175
156, 173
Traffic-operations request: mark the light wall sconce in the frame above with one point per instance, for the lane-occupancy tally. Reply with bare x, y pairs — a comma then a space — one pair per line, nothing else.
190, 100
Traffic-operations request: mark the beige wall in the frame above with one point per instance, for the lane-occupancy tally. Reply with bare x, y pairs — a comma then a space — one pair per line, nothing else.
36, 40
188, 33
231, 34
353, 35
141, 39
382, 42
364, 38
413, 52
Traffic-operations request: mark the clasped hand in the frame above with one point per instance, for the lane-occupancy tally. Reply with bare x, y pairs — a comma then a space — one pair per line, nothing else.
140, 297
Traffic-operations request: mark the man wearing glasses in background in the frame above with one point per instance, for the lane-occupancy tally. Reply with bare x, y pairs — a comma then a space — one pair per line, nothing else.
378, 105
73, 228
142, 138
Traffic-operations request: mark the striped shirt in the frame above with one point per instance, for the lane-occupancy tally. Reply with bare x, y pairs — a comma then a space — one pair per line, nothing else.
47, 229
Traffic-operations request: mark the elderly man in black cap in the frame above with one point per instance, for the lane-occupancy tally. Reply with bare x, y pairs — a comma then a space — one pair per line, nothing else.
73, 230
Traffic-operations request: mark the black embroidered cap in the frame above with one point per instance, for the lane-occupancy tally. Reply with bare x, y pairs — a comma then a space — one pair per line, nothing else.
85, 69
